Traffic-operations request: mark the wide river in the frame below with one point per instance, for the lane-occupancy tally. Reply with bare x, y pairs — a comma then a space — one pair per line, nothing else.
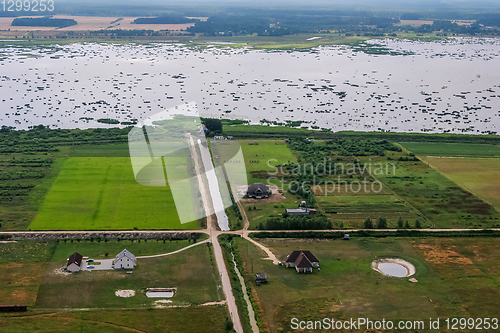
451, 85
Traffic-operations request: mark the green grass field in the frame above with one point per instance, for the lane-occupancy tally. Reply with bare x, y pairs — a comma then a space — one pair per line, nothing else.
101, 193
456, 277
478, 175
259, 157
452, 149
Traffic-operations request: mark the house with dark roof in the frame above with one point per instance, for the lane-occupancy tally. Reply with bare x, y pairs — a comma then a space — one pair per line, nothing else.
74, 262
258, 191
125, 260
302, 261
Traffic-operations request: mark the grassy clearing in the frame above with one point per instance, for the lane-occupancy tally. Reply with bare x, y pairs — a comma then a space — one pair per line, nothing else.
346, 286
102, 193
477, 175
452, 149
261, 159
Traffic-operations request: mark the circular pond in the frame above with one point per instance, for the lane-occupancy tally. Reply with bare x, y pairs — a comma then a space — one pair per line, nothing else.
393, 267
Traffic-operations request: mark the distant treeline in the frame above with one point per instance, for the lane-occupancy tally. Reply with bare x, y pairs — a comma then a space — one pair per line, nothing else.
256, 131
121, 32
164, 19
43, 22
279, 23
43, 139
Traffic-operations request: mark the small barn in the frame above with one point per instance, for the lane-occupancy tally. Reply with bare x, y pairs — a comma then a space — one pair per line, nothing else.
258, 191
125, 260
302, 261
74, 262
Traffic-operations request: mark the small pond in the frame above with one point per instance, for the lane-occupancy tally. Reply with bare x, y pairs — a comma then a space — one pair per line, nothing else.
158, 294
393, 267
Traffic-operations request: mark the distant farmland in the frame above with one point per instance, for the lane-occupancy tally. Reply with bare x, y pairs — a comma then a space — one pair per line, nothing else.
101, 193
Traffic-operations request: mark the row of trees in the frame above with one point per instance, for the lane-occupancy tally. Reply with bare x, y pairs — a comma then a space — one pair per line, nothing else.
296, 222
381, 223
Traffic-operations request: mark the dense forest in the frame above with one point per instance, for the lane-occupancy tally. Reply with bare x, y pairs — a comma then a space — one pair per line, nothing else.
43, 22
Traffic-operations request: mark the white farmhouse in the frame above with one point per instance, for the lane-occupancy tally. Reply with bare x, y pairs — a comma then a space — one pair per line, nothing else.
125, 260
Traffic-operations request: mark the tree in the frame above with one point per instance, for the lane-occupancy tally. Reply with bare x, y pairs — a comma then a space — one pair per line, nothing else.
407, 225
417, 224
228, 325
381, 223
400, 223
368, 224
341, 225
213, 125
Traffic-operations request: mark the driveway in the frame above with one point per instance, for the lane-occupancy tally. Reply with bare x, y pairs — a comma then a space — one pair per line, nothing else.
99, 265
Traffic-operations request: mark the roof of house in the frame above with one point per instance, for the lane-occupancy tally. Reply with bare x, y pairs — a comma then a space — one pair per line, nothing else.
258, 186
292, 257
302, 261
125, 253
75, 258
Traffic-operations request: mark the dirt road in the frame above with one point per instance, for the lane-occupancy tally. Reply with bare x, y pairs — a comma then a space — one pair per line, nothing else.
214, 233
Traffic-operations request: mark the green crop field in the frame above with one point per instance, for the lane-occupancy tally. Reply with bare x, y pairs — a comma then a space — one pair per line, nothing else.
481, 176
102, 193
452, 149
456, 277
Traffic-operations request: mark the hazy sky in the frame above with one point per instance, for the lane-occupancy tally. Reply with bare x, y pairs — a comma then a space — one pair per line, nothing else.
450, 4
